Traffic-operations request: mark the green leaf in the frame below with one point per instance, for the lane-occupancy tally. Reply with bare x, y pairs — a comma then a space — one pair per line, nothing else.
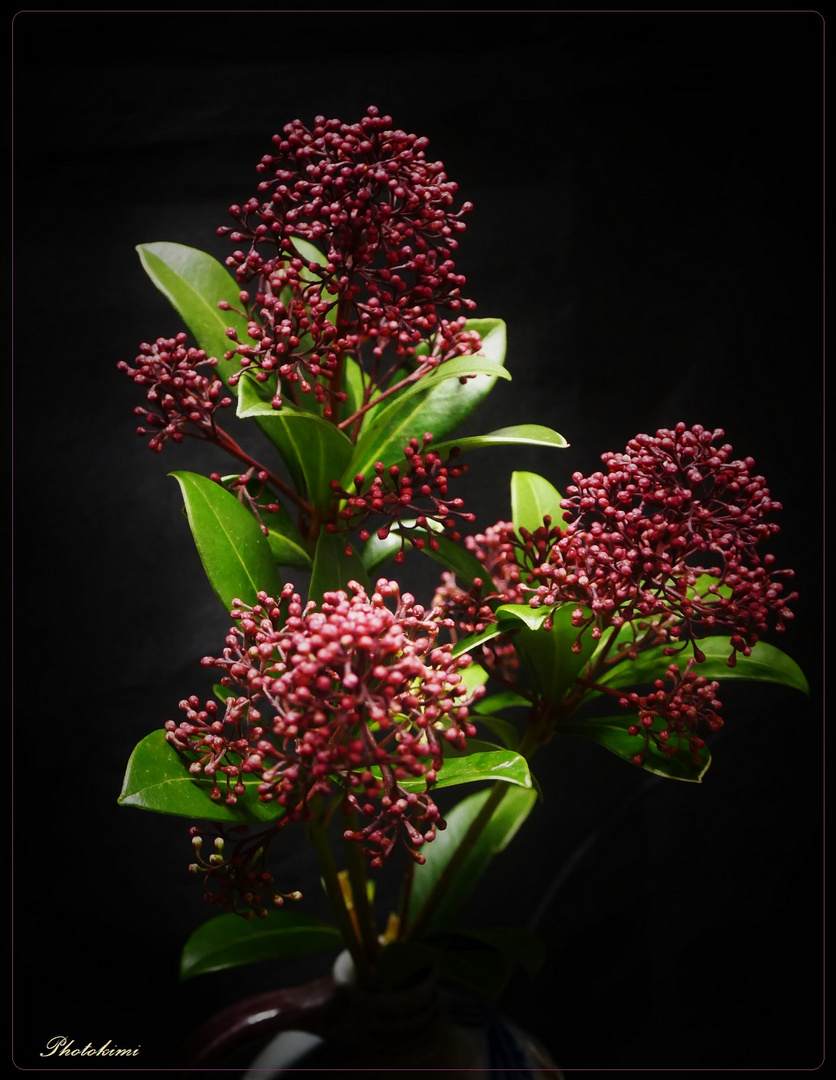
611, 732
465, 566
332, 568
532, 499
314, 450
457, 368
158, 778
518, 435
309, 253
229, 941
764, 664
286, 545
500, 830
468, 644
507, 699
480, 761
530, 617
194, 282
501, 728
234, 551
439, 406
472, 676
510, 618
353, 385
282, 535
549, 666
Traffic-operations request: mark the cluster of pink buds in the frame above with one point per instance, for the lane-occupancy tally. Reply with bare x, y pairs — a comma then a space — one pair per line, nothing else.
182, 397
295, 336
352, 700
510, 557
383, 218
252, 490
669, 534
380, 212
670, 717
411, 498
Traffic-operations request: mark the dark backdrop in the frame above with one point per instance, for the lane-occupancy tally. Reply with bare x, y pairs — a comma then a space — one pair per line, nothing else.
648, 221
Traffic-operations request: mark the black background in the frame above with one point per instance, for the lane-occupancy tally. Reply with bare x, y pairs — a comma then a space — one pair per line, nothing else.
648, 191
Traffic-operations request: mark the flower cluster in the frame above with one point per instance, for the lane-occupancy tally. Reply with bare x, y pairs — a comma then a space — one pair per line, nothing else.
350, 240
669, 533
353, 699
182, 396
252, 490
411, 498
670, 717
238, 879
510, 558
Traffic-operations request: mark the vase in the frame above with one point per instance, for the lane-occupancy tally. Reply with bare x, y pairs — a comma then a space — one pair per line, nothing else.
336, 1024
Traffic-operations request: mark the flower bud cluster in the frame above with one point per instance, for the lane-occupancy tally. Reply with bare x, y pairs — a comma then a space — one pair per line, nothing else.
294, 335
669, 717
383, 218
182, 397
252, 490
510, 558
669, 534
411, 497
352, 700
236, 877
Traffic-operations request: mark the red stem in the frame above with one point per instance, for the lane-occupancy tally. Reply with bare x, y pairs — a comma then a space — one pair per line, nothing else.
229, 444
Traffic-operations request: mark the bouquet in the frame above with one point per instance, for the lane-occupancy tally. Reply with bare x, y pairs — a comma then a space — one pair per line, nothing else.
332, 360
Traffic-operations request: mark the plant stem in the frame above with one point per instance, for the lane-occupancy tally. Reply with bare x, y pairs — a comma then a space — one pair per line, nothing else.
360, 893
408, 381
533, 738
318, 836
429, 908
229, 444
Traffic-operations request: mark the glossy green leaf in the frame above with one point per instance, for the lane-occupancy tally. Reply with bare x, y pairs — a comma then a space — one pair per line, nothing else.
310, 253
532, 499
506, 820
480, 761
458, 368
286, 546
376, 552
354, 386
465, 566
438, 407
234, 551
507, 699
611, 732
469, 644
518, 435
499, 727
315, 450
764, 664
158, 778
194, 282
473, 675
229, 941
333, 568
510, 618
549, 666
282, 535
532, 618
